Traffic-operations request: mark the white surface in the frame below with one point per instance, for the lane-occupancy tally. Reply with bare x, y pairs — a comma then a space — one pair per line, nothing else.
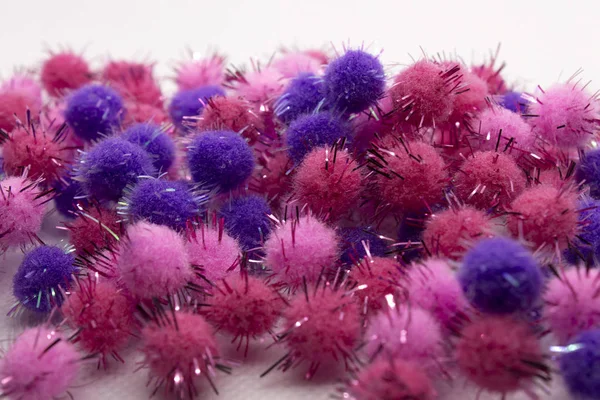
540, 41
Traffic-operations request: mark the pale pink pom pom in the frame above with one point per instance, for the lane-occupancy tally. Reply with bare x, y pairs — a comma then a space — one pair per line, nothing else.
41, 365
261, 87
294, 63
495, 119
25, 84
215, 252
197, 73
153, 261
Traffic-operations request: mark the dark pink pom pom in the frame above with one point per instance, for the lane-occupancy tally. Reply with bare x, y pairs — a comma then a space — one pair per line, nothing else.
14, 104
63, 72
133, 81
231, 113
94, 230
374, 278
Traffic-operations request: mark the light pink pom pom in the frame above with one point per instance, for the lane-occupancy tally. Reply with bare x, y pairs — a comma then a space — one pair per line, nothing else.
14, 103
301, 249
261, 87
24, 84
197, 73
494, 119
41, 365
153, 261
215, 252
294, 63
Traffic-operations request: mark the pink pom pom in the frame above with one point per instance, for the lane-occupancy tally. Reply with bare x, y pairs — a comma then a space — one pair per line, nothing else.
261, 87
451, 232
94, 230
368, 126
22, 209
500, 354
17, 102
405, 333
103, 316
472, 98
293, 63
153, 261
133, 81
232, 113
572, 304
301, 249
491, 75
375, 278
489, 179
273, 178
63, 72
40, 365
197, 73
214, 252
329, 182
495, 119
565, 116
545, 216
434, 288
25, 84
141, 113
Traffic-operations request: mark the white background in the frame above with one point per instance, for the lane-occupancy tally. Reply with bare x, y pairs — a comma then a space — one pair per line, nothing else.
541, 41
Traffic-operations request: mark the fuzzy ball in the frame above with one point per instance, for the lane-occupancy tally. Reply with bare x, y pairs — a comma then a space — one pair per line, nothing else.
231, 113
25, 83
492, 76
302, 95
566, 116
500, 276
410, 182
220, 159
14, 104
247, 221
545, 216
471, 100
188, 104
375, 278
329, 182
314, 130
588, 171
94, 111
301, 249
133, 81
197, 73
586, 244
155, 141
354, 81
580, 365
433, 287
273, 177
67, 194
214, 252
489, 179
143, 113
103, 314
153, 261
42, 276
261, 87
495, 119
451, 232
499, 354
295, 63
93, 230
354, 243
40, 365
110, 166
63, 72
22, 211
514, 101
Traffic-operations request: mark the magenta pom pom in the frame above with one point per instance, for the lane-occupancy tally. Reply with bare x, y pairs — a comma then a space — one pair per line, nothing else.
472, 99
213, 251
63, 72
374, 278
94, 229
14, 106
231, 113
134, 81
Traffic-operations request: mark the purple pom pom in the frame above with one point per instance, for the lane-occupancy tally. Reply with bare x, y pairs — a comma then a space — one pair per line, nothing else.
220, 160
190, 103
352, 248
589, 171
156, 142
162, 202
302, 96
68, 193
314, 130
580, 365
514, 102
583, 247
499, 276
110, 166
43, 275
354, 81
94, 111
246, 220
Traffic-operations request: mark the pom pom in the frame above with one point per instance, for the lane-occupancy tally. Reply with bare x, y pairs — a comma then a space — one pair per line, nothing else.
14, 106
43, 275
188, 104
94, 111
354, 81
301, 249
491, 75
110, 166
197, 73
545, 216
231, 113
273, 178
260, 87
496, 127
94, 230
586, 243
153, 261
247, 221
133, 81
68, 194
25, 84
472, 98
314, 130
489, 179
451, 232
155, 141
296, 63
514, 101
169, 203
566, 116
499, 276
303, 95
40, 365
63, 72
375, 279
143, 113
500, 355
220, 160
329, 182
588, 172
359, 242
579, 365
215, 252
22, 210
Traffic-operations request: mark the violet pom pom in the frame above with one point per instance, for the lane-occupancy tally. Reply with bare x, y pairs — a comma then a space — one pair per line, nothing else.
155, 141
580, 365
514, 102
499, 276
246, 219
585, 243
303, 95
589, 172
220, 160
314, 130
354, 81
352, 247
110, 166
43, 275
68, 193
190, 103
162, 202
93, 111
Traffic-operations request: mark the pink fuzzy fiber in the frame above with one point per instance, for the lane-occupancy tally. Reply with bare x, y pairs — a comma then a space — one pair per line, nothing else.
24, 83
197, 73
261, 87
375, 278
471, 100
63, 72
213, 251
29, 372
291, 64
492, 120
232, 113
16, 102
153, 261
